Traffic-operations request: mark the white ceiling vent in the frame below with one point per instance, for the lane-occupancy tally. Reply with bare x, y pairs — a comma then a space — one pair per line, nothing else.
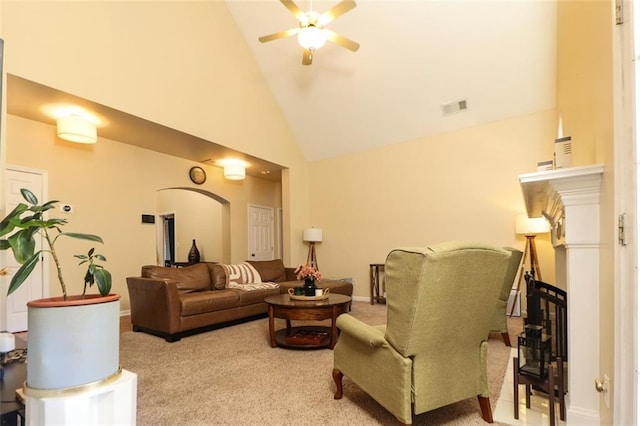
453, 107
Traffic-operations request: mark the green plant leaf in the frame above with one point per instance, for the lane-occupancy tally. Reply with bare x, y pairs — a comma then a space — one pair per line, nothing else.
89, 237
22, 273
7, 225
23, 245
103, 280
29, 196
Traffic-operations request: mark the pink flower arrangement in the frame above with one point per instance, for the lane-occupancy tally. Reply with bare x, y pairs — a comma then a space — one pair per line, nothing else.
306, 271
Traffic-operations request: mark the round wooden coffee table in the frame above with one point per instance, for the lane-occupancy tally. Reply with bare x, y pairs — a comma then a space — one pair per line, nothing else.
305, 337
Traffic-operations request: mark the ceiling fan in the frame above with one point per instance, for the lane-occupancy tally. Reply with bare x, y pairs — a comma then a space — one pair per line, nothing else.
312, 34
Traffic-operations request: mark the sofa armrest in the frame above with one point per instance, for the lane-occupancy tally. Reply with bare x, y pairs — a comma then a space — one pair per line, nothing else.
155, 304
291, 274
365, 334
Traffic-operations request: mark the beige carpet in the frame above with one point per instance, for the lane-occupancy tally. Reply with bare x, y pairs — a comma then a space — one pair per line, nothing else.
231, 376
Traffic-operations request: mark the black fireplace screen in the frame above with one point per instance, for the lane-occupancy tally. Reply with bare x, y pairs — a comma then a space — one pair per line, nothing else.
547, 307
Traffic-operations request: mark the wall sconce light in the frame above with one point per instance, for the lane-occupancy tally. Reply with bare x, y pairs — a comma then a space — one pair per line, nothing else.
234, 169
76, 128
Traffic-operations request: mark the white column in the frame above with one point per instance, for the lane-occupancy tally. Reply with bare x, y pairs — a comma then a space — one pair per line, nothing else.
570, 199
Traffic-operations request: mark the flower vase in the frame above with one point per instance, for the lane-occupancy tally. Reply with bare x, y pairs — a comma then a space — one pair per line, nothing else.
309, 286
194, 253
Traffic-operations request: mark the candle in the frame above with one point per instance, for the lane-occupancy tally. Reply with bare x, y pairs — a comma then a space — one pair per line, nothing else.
7, 342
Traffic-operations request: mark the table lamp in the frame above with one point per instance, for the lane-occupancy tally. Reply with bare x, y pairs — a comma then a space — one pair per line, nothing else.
312, 236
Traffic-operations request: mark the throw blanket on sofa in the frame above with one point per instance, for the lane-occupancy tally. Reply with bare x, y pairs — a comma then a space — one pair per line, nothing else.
244, 276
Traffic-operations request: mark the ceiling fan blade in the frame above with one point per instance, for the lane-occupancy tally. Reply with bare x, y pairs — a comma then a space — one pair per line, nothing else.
293, 8
307, 57
337, 10
281, 34
342, 40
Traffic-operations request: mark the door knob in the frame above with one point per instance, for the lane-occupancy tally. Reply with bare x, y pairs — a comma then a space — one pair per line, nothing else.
600, 385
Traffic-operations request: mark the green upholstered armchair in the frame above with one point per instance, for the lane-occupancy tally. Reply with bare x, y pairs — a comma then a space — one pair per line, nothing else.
499, 321
432, 352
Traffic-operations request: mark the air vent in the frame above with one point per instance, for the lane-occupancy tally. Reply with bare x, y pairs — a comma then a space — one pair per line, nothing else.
453, 107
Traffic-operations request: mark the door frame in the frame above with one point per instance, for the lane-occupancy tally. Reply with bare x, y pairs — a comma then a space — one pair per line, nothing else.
626, 327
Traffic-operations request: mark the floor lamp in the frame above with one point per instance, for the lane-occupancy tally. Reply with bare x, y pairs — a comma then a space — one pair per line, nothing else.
529, 227
312, 236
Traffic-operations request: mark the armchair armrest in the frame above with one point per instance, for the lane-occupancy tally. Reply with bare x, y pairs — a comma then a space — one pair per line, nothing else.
360, 331
155, 304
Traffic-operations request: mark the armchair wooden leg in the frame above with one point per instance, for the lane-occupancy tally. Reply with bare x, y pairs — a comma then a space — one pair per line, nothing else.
337, 377
485, 406
505, 337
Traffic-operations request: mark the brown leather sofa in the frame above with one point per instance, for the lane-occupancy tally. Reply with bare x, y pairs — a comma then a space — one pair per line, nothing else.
173, 302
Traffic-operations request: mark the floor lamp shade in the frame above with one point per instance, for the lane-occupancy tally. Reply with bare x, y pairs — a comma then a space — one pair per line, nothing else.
312, 235
531, 225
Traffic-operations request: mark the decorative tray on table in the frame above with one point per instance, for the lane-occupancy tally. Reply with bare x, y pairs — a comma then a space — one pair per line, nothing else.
293, 296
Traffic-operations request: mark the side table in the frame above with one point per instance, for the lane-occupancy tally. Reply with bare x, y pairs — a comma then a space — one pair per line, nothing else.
281, 306
377, 283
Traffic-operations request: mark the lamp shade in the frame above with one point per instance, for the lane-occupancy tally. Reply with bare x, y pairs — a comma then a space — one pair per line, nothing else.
531, 225
312, 235
78, 129
234, 172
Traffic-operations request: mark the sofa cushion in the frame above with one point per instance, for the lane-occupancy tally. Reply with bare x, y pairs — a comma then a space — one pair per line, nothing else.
218, 276
258, 296
270, 270
207, 301
190, 278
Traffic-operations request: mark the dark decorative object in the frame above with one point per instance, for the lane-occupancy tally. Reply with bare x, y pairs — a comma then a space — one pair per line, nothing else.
542, 347
194, 253
534, 351
310, 286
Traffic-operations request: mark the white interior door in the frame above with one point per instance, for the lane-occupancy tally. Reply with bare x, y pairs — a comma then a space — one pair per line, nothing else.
261, 229
35, 287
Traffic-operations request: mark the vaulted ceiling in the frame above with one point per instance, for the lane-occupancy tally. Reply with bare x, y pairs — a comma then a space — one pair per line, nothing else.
415, 56
416, 59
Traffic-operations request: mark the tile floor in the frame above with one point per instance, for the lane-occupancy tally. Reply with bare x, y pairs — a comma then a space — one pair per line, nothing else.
537, 415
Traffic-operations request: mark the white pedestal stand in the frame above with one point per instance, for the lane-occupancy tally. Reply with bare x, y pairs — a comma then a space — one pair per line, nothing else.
112, 403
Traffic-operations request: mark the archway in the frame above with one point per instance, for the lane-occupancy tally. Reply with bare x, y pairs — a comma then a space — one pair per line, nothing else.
187, 214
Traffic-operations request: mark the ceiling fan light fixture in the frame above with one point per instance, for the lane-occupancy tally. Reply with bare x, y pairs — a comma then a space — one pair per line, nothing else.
312, 38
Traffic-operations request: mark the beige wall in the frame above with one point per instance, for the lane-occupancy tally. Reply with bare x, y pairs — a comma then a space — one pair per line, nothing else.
165, 62
110, 184
456, 186
585, 100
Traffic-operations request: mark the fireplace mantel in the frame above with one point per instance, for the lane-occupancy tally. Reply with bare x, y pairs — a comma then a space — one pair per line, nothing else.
551, 193
570, 199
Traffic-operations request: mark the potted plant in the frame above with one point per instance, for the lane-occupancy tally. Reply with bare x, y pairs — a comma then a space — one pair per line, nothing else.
72, 340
